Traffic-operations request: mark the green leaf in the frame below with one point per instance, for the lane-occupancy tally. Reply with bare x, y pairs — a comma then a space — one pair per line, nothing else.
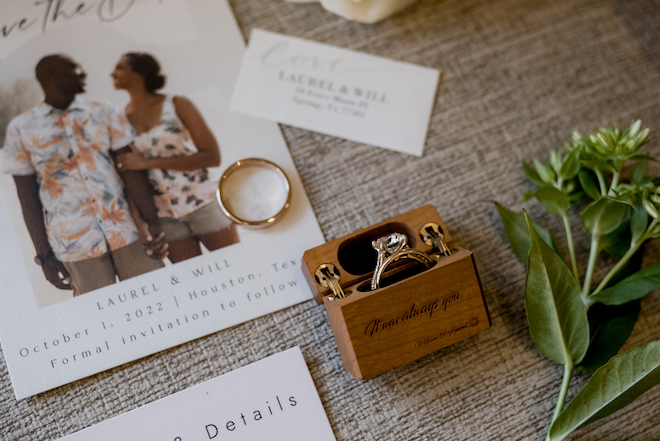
639, 220
598, 164
631, 267
577, 196
555, 160
616, 243
605, 215
615, 385
631, 288
634, 127
591, 215
642, 157
638, 171
571, 166
650, 208
589, 184
655, 232
545, 172
554, 201
610, 327
532, 175
614, 216
556, 314
516, 231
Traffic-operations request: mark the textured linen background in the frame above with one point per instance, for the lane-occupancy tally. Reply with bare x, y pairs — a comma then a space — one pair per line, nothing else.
518, 77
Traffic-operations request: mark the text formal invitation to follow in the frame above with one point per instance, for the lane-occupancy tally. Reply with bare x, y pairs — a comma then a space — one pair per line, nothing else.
64, 163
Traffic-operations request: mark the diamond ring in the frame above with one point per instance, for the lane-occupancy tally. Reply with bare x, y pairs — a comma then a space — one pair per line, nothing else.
392, 248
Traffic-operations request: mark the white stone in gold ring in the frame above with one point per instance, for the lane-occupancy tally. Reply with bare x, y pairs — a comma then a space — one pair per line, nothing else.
390, 249
388, 245
252, 162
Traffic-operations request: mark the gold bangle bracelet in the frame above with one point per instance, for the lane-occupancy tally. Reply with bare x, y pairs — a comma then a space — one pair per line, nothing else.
253, 162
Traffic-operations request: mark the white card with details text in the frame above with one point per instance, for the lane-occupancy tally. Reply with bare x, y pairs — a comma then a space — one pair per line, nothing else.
337, 92
274, 399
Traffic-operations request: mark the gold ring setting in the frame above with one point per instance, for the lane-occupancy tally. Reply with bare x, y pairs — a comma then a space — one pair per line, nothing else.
392, 248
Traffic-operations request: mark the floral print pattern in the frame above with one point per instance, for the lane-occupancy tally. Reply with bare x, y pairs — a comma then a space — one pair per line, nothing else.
177, 193
82, 195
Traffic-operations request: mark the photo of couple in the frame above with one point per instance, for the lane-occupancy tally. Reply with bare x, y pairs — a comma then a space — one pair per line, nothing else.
107, 194
114, 136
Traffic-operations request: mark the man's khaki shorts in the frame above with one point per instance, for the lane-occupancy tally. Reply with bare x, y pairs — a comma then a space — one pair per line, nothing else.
204, 220
97, 272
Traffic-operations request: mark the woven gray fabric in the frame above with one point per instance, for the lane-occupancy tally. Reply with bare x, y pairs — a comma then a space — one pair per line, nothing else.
518, 77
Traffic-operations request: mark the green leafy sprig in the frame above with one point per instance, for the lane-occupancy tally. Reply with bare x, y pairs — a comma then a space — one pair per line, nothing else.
571, 321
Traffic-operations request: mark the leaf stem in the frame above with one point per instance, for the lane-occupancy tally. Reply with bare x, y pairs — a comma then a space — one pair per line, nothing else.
561, 399
615, 183
593, 254
625, 258
601, 181
571, 248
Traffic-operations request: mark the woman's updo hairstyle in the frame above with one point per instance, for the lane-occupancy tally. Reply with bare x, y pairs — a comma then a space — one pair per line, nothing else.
148, 68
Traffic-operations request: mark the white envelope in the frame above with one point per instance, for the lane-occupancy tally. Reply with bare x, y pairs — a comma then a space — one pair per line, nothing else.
335, 91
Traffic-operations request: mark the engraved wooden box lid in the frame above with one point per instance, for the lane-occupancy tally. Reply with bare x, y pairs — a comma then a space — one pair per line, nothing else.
418, 313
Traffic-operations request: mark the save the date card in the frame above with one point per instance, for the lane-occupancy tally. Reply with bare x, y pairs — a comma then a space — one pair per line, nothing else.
78, 293
337, 92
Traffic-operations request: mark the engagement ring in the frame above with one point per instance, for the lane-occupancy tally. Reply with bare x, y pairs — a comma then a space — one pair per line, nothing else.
392, 248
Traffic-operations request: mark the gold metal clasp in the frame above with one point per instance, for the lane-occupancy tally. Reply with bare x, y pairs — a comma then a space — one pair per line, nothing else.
433, 236
327, 275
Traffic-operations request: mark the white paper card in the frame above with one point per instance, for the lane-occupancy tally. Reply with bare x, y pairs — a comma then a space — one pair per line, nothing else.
273, 399
336, 91
50, 338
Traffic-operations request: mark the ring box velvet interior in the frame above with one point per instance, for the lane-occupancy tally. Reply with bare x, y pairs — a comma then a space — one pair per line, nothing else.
416, 310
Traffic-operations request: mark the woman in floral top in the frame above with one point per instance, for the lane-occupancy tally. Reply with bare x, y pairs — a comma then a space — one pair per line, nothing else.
175, 146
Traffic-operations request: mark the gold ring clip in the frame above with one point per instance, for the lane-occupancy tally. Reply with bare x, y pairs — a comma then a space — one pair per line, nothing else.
327, 275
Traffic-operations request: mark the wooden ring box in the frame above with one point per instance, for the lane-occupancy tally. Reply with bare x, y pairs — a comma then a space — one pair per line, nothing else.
379, 330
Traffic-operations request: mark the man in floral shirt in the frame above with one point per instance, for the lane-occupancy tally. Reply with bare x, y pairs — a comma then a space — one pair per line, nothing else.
60, 154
